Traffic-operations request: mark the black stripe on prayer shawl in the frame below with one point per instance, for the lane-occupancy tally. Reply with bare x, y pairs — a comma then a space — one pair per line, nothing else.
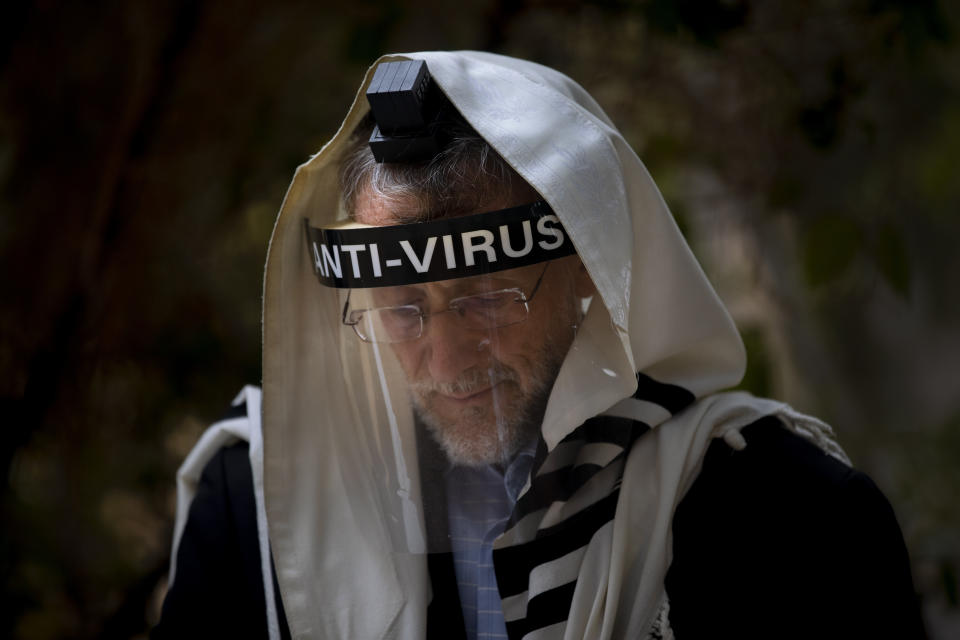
514, 564
671, 397
558, 485
610, 429
543, 610
621, 431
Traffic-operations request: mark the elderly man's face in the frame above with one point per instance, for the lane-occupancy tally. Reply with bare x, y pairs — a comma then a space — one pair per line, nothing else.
482, 393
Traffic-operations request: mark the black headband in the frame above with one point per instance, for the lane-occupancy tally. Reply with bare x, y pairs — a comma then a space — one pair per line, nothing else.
437, 250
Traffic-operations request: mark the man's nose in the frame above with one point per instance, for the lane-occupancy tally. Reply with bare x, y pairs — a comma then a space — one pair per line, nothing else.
453, 348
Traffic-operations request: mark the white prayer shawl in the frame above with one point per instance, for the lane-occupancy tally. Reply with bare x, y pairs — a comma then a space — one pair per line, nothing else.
245, 428
655, 318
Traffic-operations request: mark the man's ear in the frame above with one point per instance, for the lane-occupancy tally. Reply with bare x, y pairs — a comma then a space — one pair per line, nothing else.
582, 282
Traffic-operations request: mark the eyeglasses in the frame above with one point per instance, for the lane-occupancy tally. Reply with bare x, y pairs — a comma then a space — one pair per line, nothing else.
402, 323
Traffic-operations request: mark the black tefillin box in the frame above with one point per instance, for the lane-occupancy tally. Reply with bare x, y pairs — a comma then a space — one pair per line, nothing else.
409, 110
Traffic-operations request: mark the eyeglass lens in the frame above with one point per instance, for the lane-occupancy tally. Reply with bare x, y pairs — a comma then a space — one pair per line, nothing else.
489, 310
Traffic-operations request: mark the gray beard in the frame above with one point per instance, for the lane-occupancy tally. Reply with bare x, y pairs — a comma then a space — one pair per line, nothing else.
495, 433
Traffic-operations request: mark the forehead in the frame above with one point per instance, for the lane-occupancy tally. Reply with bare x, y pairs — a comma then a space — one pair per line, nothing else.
376, 210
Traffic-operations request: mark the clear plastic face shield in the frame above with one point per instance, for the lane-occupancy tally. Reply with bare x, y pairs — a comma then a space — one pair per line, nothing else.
451, 335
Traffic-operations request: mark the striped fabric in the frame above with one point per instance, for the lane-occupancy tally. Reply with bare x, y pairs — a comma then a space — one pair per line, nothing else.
573, 496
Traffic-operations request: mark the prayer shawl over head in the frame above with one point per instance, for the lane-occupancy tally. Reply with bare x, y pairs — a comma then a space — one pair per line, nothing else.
630, 416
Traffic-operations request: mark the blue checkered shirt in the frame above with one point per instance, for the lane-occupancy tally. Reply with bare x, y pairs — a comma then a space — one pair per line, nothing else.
479, 503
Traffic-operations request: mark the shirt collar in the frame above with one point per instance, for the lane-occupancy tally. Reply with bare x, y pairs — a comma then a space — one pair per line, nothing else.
514, 477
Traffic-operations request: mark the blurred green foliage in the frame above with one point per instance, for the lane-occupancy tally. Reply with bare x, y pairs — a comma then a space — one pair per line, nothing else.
808, 150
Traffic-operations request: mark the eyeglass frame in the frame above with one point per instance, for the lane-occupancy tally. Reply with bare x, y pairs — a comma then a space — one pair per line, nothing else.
524, 299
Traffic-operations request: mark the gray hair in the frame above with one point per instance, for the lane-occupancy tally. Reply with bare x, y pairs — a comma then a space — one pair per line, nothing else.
466, 175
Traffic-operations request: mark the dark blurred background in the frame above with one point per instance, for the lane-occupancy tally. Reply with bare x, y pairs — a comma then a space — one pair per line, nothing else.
809, 151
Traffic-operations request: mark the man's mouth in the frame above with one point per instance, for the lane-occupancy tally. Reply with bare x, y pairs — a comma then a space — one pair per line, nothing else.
471, 388
469, 396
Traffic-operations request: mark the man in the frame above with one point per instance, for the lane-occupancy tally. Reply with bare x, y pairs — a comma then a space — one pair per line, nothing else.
497, 414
